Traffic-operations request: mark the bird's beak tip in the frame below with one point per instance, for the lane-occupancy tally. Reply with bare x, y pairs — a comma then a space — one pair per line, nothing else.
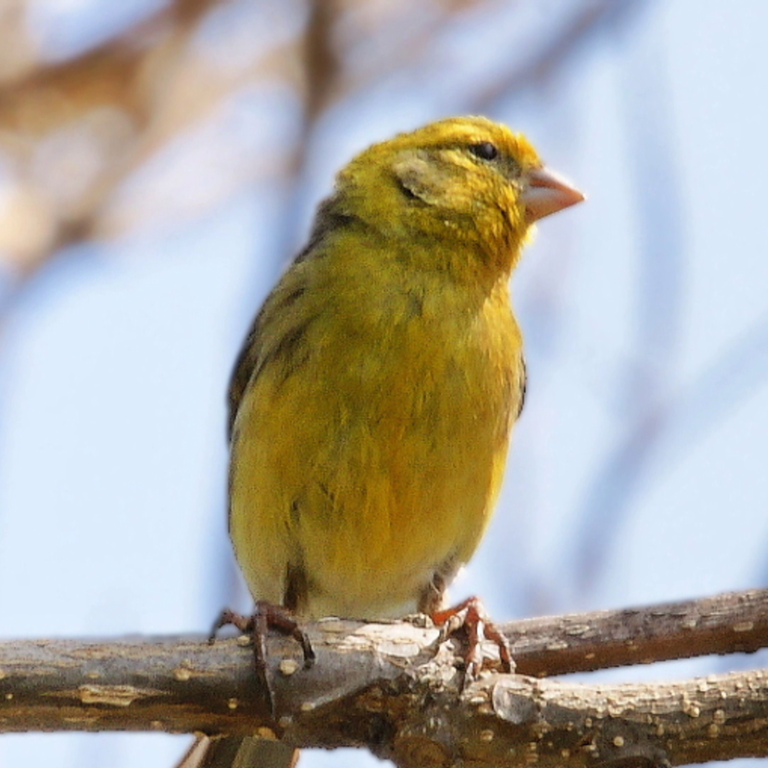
547, 192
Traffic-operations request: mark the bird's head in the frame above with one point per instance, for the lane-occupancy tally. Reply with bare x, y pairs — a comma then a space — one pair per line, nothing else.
465, 181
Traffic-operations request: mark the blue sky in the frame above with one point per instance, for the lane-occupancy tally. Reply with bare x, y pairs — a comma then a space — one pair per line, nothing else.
648, 299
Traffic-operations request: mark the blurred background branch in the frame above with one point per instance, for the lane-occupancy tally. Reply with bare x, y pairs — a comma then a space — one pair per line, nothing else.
80, 131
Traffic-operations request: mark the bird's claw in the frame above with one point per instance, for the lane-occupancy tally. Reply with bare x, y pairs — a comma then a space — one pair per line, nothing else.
470, 615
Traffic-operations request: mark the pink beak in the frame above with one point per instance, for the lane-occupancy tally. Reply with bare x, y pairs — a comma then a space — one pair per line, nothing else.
546, 193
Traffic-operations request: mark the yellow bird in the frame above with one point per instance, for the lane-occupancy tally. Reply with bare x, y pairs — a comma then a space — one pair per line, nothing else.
372, 401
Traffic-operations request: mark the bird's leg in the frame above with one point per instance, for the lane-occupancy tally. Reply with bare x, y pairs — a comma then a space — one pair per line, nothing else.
265, 616
280, 618
469, 615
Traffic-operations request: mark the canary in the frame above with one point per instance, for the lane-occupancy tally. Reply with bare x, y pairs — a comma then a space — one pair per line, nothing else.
372, 402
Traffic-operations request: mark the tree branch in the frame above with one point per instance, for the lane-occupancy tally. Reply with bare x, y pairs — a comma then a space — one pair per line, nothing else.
734, 622
396, 689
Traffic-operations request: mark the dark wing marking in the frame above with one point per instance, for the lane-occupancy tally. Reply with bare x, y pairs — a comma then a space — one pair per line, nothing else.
241, 373
523, 386
252, 356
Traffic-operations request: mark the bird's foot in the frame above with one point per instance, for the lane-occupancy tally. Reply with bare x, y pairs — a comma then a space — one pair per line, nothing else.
265, 616
469, 615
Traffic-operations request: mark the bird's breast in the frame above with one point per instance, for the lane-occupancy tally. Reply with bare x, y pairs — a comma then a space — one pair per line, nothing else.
379, 458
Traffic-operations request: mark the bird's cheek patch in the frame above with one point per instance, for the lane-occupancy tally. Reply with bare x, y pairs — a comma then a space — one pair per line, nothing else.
422, 179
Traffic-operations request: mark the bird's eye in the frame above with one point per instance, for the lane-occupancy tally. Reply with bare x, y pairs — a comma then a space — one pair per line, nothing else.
484, 150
